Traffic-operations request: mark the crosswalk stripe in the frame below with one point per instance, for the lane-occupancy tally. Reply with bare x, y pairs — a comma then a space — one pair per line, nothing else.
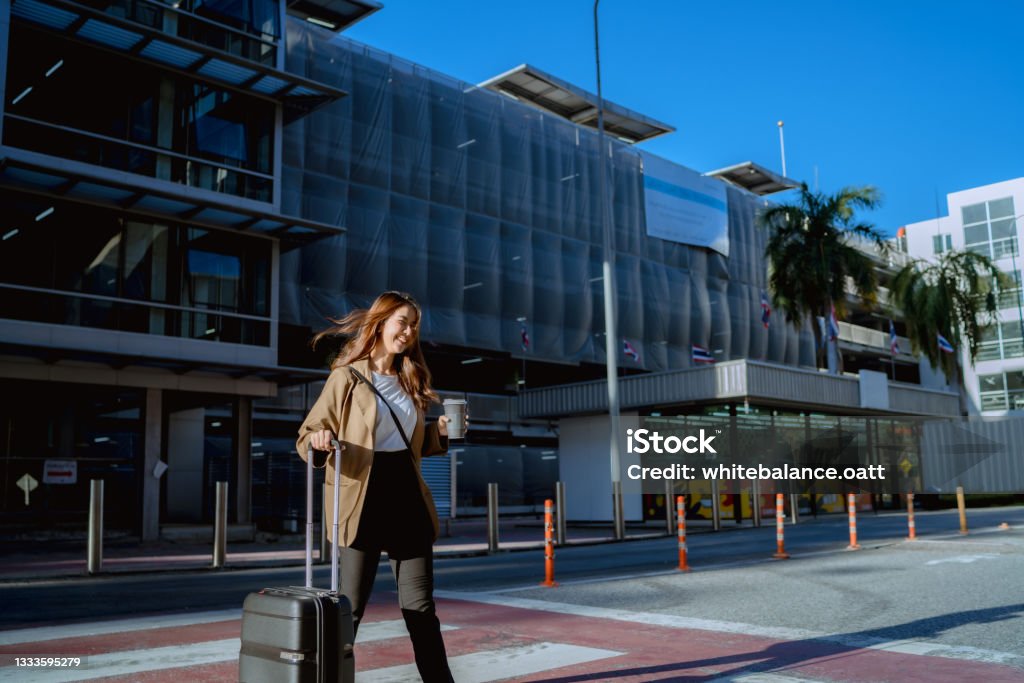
853, 641
100, 628
175, 656
133, 661
762, 678
382, 630
496, 665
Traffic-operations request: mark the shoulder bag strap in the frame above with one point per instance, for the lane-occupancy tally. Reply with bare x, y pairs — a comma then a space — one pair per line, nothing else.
391, 410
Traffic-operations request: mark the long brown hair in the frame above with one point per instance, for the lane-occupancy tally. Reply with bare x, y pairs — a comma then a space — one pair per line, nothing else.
363, 328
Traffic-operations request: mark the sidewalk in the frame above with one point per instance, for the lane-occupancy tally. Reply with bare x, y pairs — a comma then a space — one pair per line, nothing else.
127, 555
191, 549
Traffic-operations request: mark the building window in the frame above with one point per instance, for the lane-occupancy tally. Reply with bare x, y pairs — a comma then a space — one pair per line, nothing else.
1010, 296
941, 243
992, 390
1002, 391
989, 228
246, 28
131, 274
146, 121
1002, 341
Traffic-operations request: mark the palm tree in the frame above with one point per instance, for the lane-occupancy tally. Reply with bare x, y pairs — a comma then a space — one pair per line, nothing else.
954, 297
810, 254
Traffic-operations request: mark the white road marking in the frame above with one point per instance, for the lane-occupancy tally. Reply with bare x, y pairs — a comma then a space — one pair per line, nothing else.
133, 662
496, 665
99, 628
962, 559
912, 647
762, 678
382, 630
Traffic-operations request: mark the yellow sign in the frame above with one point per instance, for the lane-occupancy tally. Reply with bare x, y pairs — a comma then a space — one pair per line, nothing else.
906, 466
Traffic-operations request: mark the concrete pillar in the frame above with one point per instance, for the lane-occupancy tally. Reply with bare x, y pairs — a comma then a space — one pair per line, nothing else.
153, 440
243, 456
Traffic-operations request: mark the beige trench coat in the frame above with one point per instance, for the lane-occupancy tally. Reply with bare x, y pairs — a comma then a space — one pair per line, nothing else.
348, 408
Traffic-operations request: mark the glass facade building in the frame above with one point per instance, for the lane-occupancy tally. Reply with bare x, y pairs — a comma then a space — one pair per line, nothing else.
172, 237
487, 210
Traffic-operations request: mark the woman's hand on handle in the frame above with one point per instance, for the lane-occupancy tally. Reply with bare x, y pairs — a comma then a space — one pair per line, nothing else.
321, 441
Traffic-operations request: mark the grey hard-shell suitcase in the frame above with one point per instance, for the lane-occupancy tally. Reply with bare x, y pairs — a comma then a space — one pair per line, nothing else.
300, 634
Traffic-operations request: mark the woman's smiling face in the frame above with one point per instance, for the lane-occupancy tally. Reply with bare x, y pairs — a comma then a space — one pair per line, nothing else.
400, 329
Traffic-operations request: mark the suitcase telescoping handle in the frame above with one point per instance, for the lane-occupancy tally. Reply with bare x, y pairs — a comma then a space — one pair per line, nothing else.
309, 516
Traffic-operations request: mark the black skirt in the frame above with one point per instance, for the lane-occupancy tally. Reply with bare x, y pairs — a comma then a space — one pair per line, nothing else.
394, 517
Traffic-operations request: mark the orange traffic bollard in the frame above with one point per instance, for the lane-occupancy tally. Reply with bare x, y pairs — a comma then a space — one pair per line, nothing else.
851, 503
910, 517
681, 525
549, 545
780, 526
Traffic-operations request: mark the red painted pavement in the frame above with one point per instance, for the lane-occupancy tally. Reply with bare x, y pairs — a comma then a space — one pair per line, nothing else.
651, 653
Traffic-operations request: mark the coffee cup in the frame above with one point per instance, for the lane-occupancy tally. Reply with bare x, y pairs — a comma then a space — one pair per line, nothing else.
455, 411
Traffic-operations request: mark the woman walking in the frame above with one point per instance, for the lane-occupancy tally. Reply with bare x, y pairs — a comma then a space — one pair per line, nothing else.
374, 403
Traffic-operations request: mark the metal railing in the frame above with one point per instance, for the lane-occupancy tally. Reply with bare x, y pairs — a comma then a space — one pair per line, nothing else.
134, 157
865, 336
61, 307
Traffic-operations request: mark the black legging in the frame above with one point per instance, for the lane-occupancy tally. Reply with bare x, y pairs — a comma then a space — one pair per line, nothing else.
394, 519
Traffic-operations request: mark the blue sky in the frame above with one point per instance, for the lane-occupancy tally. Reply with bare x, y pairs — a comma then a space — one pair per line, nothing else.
913, 97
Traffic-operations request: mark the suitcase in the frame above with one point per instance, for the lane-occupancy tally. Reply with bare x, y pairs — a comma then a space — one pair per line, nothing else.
300, 634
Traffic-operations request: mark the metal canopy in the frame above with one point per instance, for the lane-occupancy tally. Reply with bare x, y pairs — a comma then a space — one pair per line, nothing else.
335, 15
552, 94
138, 41
754, 178
186, 207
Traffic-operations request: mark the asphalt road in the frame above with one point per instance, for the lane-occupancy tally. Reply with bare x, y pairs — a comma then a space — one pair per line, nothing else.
960, 591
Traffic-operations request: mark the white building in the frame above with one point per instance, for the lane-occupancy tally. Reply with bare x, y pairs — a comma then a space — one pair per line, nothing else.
989, 220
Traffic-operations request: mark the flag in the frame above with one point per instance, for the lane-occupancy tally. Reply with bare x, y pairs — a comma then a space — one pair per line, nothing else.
833, 324
944, 345
524, 338
700, 355
628, 349
766, 310
894, 345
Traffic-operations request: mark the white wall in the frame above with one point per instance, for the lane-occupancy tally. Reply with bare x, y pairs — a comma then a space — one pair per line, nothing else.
584, 466
919, 245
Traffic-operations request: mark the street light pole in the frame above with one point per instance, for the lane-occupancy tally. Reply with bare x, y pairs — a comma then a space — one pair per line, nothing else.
611, 336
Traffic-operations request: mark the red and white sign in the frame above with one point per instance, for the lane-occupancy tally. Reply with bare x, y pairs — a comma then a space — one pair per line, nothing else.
60, 472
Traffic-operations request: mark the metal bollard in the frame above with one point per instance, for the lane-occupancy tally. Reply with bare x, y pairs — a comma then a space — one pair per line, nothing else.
492, 518
220, 525
669, 522
910, 517
94, 552
549, 545
851, 503
716, 506
780, 528
560, 512
755, 502
794, 508
618, 520
681, 525
962, 507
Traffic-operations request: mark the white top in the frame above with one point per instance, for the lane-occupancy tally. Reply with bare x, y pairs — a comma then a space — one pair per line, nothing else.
385, 435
